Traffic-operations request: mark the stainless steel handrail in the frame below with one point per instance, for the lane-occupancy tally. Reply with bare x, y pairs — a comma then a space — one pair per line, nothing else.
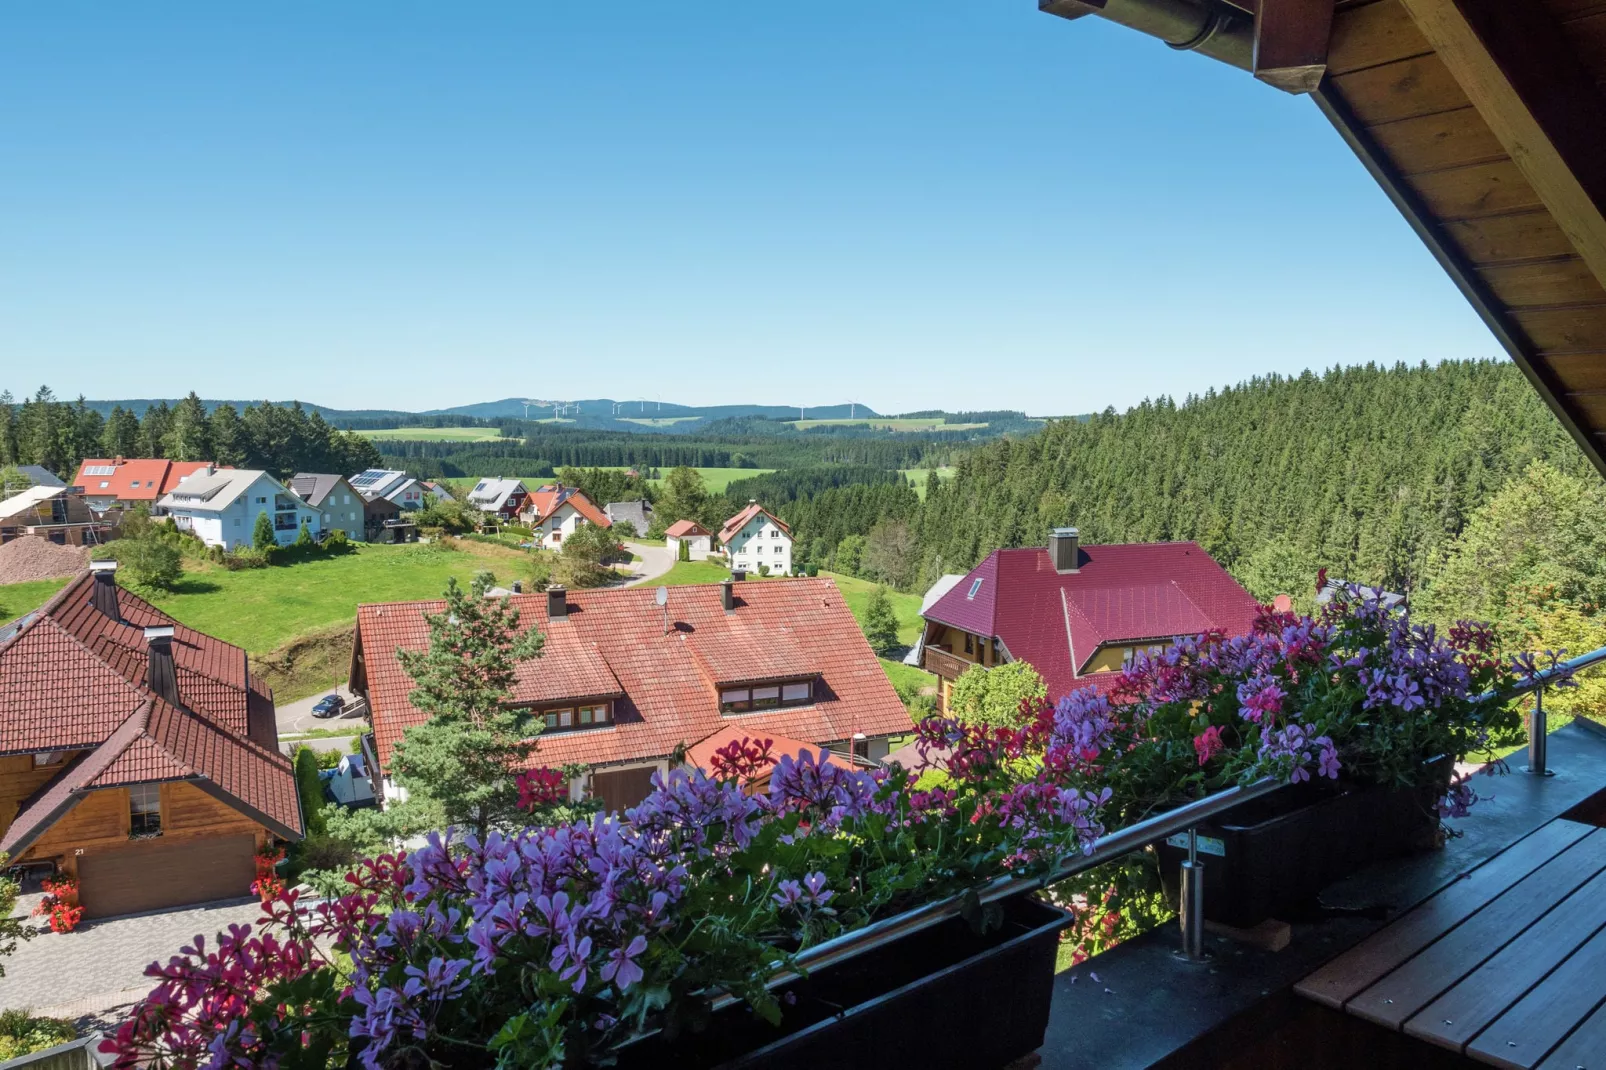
1105, 849
1538, 727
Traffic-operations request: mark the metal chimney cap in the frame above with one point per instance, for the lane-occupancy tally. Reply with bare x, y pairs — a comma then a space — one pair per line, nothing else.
98, 567
158, 631
1070, 533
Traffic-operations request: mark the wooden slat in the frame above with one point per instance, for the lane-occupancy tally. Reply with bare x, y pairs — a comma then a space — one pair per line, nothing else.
1521, 1036
1529, 235
1373, 35
1418, 981
1566, 330
1519, 67
1479, 190
1435, 142
1338, 981
1579, 371
1586, 1047
1545, 282
1403, 90
1483, 995
1591, 405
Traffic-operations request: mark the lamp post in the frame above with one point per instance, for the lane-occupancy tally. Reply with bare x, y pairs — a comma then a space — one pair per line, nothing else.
856, 737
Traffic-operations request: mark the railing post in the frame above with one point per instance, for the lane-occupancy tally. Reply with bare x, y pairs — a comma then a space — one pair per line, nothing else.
1192, 912
1537, 734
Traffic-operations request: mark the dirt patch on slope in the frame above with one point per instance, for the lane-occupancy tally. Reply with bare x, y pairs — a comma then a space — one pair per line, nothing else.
308, 663
33, 558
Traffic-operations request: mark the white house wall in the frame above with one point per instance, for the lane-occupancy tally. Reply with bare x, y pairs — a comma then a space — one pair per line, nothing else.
234, 525
761, 542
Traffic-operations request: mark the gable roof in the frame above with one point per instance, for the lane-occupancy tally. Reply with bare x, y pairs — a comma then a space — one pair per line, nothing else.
638, 512
72, 678
377, 482
701, 754
494, 493
545, 501
666, 681
24, 500
134, 480
314, 488
216, 491
740, 520
680, 529
41, 476
1125, 593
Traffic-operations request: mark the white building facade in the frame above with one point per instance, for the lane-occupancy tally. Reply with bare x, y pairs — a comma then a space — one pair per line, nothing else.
754, 538
222, 509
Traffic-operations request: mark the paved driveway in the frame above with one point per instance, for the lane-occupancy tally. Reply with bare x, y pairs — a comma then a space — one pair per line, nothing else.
297, 716
655, 561
102, 965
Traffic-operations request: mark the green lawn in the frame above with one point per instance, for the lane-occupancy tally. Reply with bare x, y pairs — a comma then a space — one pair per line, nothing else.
689, 572
715, 479
906, 607
259, 609
918, 424
436, 434
19, 598
917, 477
907, 677
657, 421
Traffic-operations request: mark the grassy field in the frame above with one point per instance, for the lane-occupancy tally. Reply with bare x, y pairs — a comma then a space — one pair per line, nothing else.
857, 593
917, 477
436, 434
716, 479
262, 609
686, 573
657, 421
19, 598
880, 423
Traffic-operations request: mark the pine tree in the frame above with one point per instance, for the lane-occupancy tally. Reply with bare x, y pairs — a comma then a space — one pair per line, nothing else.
461, 763
262, 537
881, 623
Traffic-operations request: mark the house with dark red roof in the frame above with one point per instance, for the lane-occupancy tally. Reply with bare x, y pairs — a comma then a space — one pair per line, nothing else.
1078, 614
698, 540
137, 755
121, 483
623, 683
756, 540
554, 512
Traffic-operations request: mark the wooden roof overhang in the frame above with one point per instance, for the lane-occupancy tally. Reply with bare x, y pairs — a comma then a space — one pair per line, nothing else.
1485, 123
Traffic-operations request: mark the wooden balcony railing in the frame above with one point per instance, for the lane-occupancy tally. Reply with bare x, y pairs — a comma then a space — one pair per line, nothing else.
944, 664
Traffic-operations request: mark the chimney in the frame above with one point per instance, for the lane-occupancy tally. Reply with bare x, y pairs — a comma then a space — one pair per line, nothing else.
1065, 549
103, 592
518, 586
161, 677
739, 575
557, 602
727, 595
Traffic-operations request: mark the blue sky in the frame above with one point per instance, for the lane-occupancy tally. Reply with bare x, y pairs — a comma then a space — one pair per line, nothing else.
952, 204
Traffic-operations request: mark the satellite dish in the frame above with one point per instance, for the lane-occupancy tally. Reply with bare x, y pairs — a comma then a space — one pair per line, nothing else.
661, 596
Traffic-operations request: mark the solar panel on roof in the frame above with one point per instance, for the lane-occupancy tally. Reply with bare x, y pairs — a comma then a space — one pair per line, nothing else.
100, 469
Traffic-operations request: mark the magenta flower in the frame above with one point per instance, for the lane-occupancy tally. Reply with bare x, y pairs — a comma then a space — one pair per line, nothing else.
621, 967
1207, 744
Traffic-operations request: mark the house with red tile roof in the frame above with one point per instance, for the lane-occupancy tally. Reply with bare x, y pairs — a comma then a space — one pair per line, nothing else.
1078, 614
121, 483
623, 683
555, 511
137, 755
755, 540
699, 540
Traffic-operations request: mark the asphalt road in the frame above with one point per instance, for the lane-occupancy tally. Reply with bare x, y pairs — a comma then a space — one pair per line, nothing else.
297, 716
655, 561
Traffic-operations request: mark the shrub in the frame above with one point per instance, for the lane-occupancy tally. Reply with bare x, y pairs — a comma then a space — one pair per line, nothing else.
21, 1033
624, 529
304, 540
262, 537
685, 549
881, 623
150, 561
310, 788
338, 542
247, 557
994, 696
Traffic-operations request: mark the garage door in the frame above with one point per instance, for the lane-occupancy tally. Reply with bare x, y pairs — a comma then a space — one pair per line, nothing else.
623, 788
157, 875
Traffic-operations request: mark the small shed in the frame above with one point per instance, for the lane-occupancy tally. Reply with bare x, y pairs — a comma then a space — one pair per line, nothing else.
698, 539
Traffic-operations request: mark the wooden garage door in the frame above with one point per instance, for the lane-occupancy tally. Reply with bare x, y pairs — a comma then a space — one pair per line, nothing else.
623, 788
156, 875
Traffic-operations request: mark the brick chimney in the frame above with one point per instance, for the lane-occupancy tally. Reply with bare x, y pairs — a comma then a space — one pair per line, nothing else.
1065, 549
727, 595
557, 602
161, 676
103, 591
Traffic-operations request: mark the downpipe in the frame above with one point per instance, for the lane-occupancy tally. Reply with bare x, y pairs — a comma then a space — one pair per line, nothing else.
1213, 29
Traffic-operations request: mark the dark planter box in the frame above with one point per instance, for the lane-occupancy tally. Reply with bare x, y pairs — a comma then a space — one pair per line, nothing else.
942, 998
1271, 857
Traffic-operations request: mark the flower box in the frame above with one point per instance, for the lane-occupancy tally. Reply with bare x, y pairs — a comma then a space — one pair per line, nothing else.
913, 1002
1271, 857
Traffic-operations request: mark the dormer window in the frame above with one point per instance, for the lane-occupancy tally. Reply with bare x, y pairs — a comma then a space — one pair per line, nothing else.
768, 696
588, 716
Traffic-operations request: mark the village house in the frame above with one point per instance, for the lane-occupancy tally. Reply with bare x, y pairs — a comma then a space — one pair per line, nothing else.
390, 485
437, 490
637, 513
137, 756
622, 682
499, 498
699, 542
755, 540
339, 505
555, 511
59, 514
221, 508
122, 483
1078, 614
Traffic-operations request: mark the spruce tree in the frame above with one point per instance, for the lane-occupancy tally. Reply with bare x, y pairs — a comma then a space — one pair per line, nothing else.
262, 534
880, 623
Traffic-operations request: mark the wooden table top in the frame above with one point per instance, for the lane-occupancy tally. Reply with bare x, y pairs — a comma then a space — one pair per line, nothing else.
1506, 965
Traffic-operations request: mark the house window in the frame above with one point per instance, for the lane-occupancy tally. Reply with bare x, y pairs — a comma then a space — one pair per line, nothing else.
767, 696
975, 589
104, 484
262, 501
144, 811
594, 714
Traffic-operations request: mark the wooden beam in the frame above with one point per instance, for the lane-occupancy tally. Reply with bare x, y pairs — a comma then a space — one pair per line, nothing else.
1071, 9
1521, 73
1291, 43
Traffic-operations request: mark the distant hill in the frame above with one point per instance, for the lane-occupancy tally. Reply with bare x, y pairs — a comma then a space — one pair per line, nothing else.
607, 410
139, 405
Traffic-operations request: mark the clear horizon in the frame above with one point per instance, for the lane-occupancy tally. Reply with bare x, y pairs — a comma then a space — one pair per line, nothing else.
962, 207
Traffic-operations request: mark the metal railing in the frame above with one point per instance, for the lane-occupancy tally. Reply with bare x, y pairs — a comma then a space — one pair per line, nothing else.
1538, 729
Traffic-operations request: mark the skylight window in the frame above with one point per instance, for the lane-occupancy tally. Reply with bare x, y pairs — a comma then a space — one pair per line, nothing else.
975, 588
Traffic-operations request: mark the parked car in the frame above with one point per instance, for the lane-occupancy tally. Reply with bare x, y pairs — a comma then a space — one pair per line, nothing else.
329, 706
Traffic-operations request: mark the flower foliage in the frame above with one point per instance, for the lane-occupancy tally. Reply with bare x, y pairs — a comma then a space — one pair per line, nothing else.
60, 904
551, 945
